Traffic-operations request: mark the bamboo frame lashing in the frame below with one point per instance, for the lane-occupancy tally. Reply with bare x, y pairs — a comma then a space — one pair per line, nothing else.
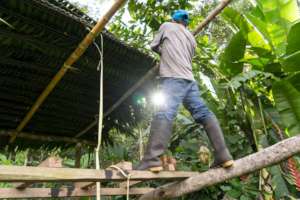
78, 52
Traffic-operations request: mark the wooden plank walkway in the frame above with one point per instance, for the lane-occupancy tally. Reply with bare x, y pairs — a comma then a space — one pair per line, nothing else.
13, 193
43, 174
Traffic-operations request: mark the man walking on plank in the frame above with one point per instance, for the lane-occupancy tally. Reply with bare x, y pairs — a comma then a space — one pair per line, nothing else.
176, 46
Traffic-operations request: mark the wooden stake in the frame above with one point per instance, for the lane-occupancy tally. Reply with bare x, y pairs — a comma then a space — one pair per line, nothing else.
153, 71
67, 65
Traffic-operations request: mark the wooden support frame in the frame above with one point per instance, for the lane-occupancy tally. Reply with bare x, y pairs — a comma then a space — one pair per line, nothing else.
126, 166
52, 161
43, 174
12, 193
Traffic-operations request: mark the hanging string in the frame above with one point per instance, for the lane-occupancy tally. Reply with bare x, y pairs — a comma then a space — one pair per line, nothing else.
100, 122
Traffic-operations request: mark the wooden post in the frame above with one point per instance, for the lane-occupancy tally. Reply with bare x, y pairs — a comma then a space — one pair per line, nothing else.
78, 155
82, 47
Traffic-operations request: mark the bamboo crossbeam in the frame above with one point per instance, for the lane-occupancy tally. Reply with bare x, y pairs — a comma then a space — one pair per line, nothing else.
49, 162
154, 70
30, 193
43, 174
48, 138
66, 66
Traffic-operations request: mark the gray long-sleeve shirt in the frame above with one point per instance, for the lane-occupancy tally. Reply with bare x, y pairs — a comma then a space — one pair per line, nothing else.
176, 46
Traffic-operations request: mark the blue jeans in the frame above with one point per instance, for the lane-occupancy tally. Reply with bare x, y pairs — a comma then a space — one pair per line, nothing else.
177, 91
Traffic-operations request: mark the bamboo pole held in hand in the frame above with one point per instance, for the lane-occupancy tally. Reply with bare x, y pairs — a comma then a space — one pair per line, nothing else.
154, 69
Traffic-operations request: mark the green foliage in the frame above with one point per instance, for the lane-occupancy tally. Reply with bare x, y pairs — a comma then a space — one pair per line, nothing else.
287, 100
233, 53
292, 58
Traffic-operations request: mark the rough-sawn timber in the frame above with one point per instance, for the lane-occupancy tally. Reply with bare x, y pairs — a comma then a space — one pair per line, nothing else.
43, 174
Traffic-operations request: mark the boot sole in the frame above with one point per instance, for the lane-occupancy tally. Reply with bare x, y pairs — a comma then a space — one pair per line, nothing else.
156, 169
228, 164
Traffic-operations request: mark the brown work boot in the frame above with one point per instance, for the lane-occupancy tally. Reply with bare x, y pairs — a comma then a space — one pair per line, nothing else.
222, 156
160, 134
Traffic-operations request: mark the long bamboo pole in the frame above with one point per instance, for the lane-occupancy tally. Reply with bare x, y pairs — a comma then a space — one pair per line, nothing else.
82, 47
154, 70
211, 16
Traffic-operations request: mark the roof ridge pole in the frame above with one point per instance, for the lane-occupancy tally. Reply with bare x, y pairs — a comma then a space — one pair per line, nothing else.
84, 44
154, 69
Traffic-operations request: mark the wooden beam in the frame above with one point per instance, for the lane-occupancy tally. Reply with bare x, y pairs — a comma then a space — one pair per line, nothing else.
42, 174
30, 193
262, 159
132, 183
153, 71
76, 54
52, 161
47, 138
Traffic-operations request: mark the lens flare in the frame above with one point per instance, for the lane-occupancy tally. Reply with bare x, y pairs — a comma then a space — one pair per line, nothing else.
158, 99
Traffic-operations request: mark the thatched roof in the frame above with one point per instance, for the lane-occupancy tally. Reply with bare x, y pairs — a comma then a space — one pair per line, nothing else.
43, 34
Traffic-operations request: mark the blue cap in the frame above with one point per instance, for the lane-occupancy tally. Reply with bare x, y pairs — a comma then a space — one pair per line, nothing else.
181, 15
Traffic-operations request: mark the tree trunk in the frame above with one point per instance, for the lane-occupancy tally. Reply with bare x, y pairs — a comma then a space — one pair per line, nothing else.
264, 158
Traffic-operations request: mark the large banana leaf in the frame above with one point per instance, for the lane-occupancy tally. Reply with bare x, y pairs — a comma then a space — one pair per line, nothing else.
233, 54
295, 81
248, 29
287, 100
291, 61
279, 16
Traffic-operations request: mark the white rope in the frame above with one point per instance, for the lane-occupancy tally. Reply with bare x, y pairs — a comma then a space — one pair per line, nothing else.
100, 122
128, 176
